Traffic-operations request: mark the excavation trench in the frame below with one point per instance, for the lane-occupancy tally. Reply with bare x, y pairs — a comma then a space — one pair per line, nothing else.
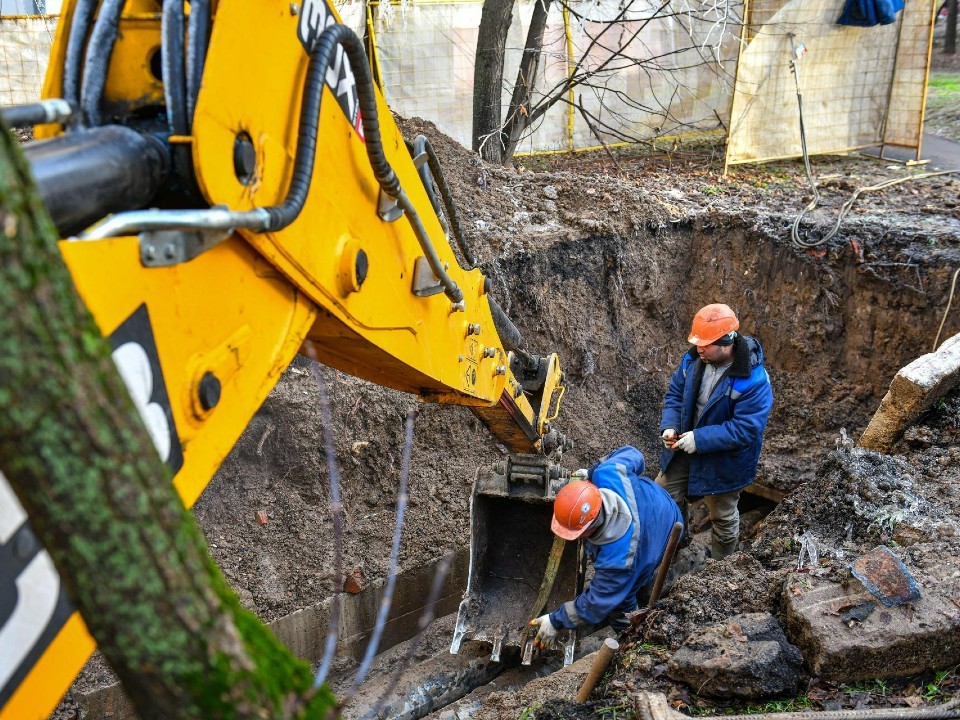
615, 306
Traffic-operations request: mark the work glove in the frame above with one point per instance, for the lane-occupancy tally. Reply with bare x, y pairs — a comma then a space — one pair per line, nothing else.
686, 443
668, 437
546, 632
581, 474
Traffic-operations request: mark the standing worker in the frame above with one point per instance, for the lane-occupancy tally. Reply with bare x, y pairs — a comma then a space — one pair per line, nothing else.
626, 520
714, 415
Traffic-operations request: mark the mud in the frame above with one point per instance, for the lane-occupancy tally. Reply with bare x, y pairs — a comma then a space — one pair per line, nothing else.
605, 265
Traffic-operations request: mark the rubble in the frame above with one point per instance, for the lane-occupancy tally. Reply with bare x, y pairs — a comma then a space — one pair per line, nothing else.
748, 657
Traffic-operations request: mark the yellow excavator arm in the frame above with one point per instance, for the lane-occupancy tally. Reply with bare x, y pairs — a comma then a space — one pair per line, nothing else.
231, 186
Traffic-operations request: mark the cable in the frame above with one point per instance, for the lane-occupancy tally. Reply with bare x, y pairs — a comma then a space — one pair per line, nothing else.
953, 286
795, 228
422, 144
848, 205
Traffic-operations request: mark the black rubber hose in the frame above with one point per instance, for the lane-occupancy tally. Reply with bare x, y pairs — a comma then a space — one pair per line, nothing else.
198, 37
97, 59
76, 40
323, 52
172, 68
417, 148
448, 205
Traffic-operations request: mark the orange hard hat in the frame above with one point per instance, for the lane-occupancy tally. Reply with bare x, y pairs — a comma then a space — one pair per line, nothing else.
575, 507
711, 323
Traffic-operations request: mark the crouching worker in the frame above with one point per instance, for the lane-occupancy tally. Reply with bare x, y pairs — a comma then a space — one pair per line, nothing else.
626, 520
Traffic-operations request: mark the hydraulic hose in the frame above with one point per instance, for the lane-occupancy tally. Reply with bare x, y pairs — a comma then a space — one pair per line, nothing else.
172, 69
285, 213
321, 56
198, 36
422, 144
172, 27
97, 59
79, 28
277, 217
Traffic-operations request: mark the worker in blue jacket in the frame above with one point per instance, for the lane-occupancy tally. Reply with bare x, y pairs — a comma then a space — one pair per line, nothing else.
626, 520
714, 415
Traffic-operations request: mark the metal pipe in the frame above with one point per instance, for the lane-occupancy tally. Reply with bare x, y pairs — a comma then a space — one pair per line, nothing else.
600, 664
654, 706
450, 288
132, 223
53, 110
665, 562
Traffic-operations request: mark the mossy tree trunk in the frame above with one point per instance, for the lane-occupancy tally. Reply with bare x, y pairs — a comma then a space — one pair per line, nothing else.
80, 460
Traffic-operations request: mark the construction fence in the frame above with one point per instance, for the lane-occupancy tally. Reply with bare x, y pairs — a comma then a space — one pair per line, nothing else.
626, 71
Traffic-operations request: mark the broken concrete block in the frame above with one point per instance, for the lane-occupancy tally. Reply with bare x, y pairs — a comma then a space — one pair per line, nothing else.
747, 657
354, 582
914, 389
842, 645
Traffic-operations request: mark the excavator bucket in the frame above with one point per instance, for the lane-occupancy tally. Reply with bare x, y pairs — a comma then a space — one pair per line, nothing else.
518, 568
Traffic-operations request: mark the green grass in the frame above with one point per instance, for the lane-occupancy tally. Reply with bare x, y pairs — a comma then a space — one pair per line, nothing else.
945, 83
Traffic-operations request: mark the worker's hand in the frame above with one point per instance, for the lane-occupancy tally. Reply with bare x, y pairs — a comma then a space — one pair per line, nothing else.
581, 474
686, 443
546, 632
668, 437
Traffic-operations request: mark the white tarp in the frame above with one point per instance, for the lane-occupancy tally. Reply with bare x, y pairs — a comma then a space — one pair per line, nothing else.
648, 69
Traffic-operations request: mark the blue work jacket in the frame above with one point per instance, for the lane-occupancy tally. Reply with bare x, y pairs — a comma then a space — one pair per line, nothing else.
625, 565
729, 433
867, 13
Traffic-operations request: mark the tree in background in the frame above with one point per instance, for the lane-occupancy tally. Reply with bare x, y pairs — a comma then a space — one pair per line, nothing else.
950, 38
77, 455
608, 52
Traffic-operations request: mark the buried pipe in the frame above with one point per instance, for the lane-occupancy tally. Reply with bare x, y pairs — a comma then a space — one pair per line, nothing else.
600, 664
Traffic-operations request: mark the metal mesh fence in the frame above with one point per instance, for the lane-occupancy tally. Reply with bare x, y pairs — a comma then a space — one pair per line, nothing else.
25, 42
859, 85
643, 69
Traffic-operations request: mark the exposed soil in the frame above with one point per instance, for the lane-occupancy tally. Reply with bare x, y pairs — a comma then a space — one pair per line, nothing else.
605, 264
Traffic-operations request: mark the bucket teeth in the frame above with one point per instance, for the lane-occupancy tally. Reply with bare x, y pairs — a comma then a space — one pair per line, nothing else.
497, 647
527, 655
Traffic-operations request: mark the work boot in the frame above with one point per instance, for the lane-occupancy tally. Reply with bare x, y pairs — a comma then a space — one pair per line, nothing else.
719, 550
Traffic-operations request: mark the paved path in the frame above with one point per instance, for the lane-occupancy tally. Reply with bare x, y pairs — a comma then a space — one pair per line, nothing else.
942, 153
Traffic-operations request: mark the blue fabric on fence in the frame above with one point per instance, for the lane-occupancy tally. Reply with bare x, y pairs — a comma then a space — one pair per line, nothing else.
867, 13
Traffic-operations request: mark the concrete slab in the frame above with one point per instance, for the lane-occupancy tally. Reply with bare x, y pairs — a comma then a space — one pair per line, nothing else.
889, 642
914, 389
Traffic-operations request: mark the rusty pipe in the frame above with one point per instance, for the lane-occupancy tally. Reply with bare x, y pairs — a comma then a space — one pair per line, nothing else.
599, 667
665, 563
